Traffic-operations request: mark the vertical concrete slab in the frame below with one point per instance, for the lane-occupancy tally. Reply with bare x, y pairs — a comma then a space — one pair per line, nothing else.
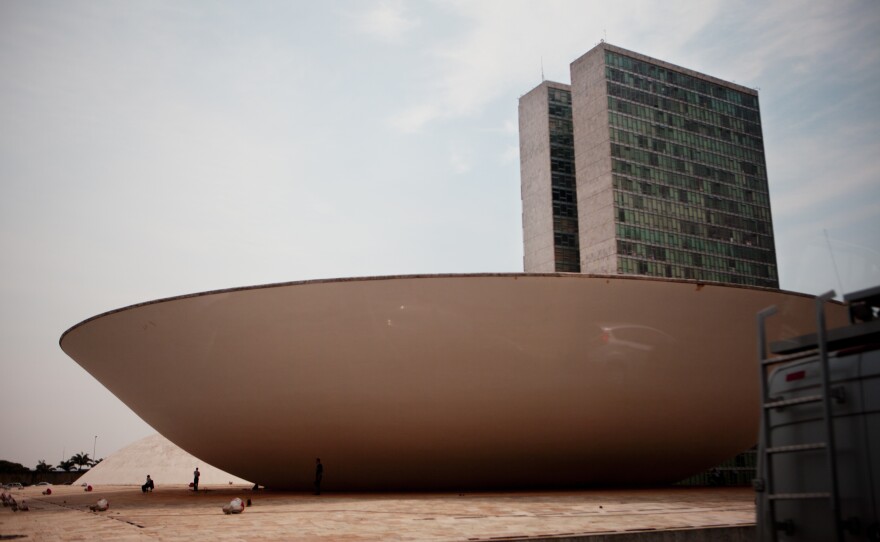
592, 154
535, 180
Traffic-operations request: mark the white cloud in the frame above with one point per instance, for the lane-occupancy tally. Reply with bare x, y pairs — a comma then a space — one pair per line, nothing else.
812, 175
460, 162
787, 37
815, 261
386, 21
510, 155
849, 216
497, 55
413, 119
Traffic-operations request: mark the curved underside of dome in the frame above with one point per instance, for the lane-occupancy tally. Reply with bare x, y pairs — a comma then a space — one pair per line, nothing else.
448, 381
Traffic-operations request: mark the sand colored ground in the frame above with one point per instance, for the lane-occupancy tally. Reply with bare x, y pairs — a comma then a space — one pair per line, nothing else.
175, 513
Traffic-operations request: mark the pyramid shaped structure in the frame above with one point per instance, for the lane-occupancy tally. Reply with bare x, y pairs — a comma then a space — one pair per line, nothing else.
157, 456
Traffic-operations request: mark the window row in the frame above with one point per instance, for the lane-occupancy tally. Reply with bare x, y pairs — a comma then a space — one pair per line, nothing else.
561, 126
565, 240
565, 210
685, 164
564, 152
755, 268
559, 110
562, 180
705, 182
680, 79
567, 260
566, 224
559, 95
693, 259
562, 140
631, 266
660, 146
680, 108
664, 137
730, 163
674, 199
660, 118
693, 235
560, 165
690, 189
563, 195
704, 179
681, 95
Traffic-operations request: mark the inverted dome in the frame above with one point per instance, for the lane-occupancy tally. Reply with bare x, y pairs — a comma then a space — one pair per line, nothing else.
447, 381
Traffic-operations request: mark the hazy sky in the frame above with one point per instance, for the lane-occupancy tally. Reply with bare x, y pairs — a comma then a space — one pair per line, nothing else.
150, 149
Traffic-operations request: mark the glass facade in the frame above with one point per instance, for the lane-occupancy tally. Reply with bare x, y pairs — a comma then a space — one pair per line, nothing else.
689, 176
565, 212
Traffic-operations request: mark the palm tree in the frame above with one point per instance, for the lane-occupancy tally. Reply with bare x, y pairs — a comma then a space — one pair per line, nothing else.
66, 465
81, 459
43, 467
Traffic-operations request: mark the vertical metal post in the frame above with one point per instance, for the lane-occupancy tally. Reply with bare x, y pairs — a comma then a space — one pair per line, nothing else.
822, 345
765, 515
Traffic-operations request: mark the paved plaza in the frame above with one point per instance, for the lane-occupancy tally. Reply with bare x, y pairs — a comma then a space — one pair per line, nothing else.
176, 513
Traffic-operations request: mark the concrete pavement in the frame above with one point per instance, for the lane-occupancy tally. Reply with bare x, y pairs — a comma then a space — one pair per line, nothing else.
173, 513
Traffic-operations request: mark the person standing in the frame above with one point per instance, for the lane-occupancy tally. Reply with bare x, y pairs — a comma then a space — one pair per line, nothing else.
196, 475
319, 474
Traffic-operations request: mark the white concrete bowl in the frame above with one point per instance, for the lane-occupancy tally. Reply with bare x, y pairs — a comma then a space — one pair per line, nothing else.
447, 381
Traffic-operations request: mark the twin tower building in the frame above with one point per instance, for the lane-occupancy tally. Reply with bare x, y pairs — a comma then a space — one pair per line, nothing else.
641, 167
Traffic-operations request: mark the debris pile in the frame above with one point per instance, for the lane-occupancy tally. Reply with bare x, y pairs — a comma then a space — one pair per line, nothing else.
9, 501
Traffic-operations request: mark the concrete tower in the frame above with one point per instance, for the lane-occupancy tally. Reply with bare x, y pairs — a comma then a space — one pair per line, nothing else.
669, 179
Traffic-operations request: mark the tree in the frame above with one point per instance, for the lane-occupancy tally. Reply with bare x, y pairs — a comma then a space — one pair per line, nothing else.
66, 465
9, 466
43, 467
81, 460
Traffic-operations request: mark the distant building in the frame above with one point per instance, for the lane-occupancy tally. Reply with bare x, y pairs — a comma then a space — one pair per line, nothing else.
641, 167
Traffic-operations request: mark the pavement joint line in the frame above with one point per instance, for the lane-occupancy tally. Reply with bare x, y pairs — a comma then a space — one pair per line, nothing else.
97, 514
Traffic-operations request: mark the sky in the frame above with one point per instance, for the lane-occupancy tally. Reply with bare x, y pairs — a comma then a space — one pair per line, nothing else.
151, 149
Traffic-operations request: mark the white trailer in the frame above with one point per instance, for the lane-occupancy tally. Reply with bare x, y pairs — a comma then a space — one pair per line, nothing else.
819, 444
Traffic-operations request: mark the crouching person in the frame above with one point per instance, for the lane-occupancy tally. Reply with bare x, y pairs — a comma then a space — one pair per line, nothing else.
148, 485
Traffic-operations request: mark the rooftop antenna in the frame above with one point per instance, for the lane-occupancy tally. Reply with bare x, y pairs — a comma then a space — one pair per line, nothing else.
833, 262
605, 33
542, 69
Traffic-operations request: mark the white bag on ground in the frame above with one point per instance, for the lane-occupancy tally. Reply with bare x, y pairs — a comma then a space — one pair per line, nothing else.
235, 506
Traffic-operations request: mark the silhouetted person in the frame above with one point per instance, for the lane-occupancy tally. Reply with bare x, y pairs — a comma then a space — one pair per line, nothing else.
319, 474
715, 478
147, 485
196, 475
